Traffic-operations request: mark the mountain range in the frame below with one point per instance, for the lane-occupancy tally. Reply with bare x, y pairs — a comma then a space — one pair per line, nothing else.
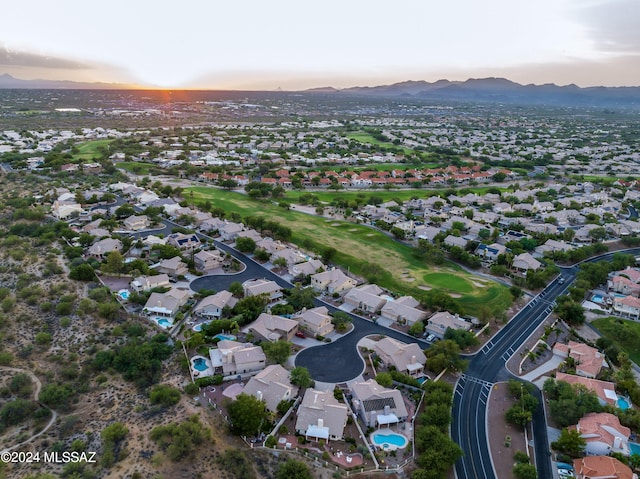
496, 90
499, 90
8, 82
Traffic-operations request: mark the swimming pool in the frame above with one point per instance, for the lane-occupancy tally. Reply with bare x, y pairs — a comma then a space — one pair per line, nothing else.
227, 337
164, 323
623, 403
389, 441
634, 448
597, 298
200, 364
124, 294
198, 327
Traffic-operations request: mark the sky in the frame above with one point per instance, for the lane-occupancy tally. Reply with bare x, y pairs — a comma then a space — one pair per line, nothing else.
294, 45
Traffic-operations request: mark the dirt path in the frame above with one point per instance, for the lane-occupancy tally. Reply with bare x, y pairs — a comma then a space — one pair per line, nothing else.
36, 394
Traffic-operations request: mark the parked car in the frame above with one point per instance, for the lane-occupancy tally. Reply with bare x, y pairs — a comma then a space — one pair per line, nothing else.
300, 334
431, 337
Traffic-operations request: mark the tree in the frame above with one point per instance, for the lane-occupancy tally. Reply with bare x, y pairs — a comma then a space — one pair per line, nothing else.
570, 443
248, 416
181, 440
437, 452
341, 321
301, 298
445, 355
328, 254
416, 328
525, 471
464, 339
236, 289
245, 245
567, 310
384, 380
300, 377
82, 272
280, 262
114, 263
293, 469
164, 395
278, 351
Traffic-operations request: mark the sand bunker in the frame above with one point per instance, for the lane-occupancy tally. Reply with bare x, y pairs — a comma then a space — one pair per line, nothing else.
426, 288
455, 295
335, 224
479, 285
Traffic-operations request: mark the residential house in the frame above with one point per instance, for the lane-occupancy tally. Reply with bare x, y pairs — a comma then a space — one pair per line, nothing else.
405, 358
212, 306
231, 358
183, 241
321, 416
524, 263
102, 248
173, 266
211, 225
269, 327
606, 391
551, 246
302, 270
628, 307
377, 405
229, 231
271, 385
439, 322
206, 260
365, 298
166, 304
403, 310
490, 252
147, 283
290, 255
250, 233
601, 467
63, 210
603, 434
316, 321
589, 361
451, 240
332, 281
136, 223
256, 287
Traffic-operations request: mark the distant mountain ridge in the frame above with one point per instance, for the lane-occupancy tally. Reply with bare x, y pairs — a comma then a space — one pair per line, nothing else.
502, 90
7, 82
492, 89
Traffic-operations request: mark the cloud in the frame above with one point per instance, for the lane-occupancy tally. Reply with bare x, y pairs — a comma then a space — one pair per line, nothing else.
612, 25
15, 58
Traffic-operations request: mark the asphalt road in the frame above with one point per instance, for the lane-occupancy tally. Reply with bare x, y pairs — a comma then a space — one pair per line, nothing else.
469, 428
334, 362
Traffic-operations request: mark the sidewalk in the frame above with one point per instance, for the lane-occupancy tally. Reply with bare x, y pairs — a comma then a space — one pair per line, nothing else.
543, 369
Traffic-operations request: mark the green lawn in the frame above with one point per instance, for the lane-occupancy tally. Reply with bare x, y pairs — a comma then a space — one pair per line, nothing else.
327, 196
365, 138
90, 150
624, 333
449, 281
359, 247
137, 167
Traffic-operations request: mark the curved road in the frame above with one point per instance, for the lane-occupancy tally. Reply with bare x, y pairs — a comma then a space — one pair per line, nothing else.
334, 362
469, 425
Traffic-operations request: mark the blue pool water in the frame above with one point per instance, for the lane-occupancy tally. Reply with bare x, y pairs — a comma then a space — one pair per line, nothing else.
228, 337
397, 440
635, 448
422, 380
162, 322
200, 364
623, 403
198, 327
124, 294
597, 298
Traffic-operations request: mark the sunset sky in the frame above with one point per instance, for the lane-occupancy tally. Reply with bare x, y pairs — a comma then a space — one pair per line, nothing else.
257, 44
